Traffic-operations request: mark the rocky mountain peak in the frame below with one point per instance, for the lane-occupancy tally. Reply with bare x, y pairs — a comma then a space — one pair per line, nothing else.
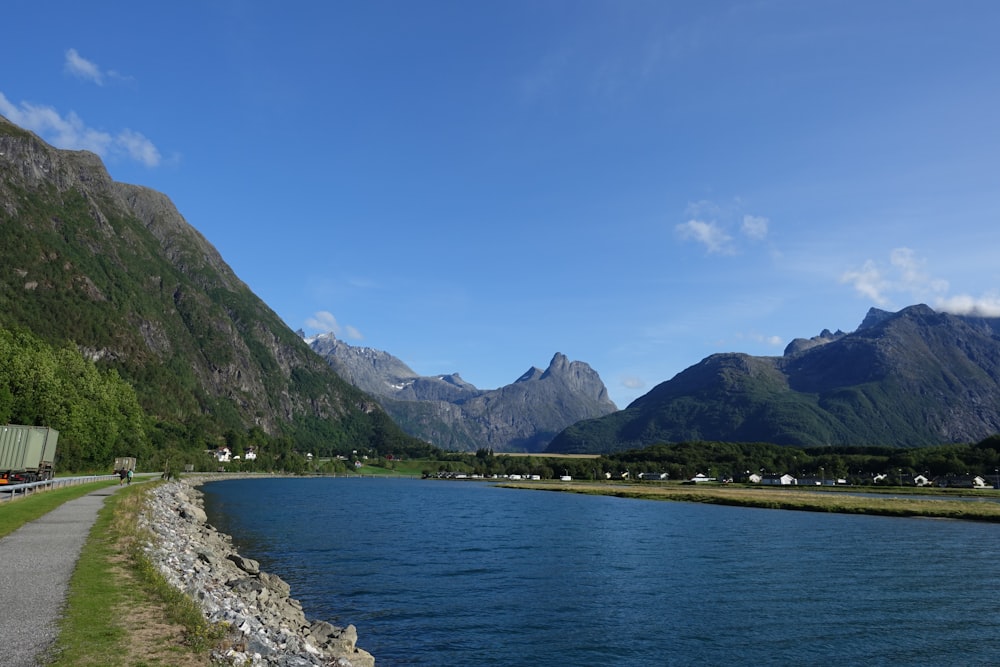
911, 378
451, 413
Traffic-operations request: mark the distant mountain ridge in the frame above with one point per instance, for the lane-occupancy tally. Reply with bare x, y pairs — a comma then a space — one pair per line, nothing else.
453, 414
916, 377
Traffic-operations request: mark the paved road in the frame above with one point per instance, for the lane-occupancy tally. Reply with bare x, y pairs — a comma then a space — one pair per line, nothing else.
36, 562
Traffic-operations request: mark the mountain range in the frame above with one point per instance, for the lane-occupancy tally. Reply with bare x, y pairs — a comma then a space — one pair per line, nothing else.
911, 378
115, 271
453, 414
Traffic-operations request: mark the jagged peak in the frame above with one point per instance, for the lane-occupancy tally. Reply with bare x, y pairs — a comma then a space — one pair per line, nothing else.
874, 317
532, 373
799, 345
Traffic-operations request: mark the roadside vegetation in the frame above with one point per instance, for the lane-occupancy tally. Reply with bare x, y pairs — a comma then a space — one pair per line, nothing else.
120, 611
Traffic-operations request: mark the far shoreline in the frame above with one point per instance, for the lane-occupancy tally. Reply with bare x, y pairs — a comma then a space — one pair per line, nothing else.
888, 502
903, 505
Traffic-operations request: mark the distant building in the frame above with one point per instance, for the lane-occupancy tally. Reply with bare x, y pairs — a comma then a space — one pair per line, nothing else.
963, 482
223, 455
815, 481
775, 479
250, 454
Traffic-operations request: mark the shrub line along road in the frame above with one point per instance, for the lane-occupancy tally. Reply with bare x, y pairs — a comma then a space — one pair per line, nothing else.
36, 563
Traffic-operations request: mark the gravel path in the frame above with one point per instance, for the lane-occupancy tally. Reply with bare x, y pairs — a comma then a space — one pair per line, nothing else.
36, 562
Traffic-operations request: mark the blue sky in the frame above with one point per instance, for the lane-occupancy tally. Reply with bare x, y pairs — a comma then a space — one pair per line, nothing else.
475, 186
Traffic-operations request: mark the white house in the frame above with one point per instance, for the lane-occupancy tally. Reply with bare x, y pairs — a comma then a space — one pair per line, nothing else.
250, 454
223, 455
774, 479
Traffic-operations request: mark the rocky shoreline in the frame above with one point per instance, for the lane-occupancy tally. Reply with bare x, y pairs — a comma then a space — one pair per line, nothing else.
267, 626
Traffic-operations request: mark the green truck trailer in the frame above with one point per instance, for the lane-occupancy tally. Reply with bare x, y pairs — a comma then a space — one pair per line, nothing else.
27, 453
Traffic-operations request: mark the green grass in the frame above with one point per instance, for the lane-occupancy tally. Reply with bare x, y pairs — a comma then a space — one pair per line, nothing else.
116, 591
16, 513
90, 631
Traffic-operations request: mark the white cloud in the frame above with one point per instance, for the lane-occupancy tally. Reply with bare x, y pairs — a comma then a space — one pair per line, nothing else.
704, 208
138, 147
869, 282
715, 225
755, 227
82, 68
770, 341
633, 382
773, 341
69, 132
324, 321
906, 279
913, 278
708, 234
962, 304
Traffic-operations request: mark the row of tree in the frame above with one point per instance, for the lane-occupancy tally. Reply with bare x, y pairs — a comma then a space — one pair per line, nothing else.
737, 461
99, 416
96, 413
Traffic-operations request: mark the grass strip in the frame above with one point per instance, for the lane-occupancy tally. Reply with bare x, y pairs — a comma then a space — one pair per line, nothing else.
120, 610
16, 513
806, 501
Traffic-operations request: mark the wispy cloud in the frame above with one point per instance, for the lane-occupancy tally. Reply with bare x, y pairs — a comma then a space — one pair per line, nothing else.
324, 321
905, 277
71, 133
633, 382
711, 222
773, 341
709, 234
82, 68
869, 282
87, 70
755, 227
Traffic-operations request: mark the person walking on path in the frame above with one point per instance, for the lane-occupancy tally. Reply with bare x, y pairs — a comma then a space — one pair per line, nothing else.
36, 563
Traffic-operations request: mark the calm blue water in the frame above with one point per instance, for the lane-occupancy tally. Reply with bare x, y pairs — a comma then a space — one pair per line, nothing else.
457, 574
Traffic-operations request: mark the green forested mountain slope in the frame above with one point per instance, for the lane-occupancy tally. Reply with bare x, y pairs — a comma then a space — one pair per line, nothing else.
910, 378
114, 270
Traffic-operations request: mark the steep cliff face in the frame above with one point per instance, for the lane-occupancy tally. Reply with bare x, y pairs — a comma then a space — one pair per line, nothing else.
451, 413
910, 378
116, 269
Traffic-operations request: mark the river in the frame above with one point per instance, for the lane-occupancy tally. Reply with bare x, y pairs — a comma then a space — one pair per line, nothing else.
464, 573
